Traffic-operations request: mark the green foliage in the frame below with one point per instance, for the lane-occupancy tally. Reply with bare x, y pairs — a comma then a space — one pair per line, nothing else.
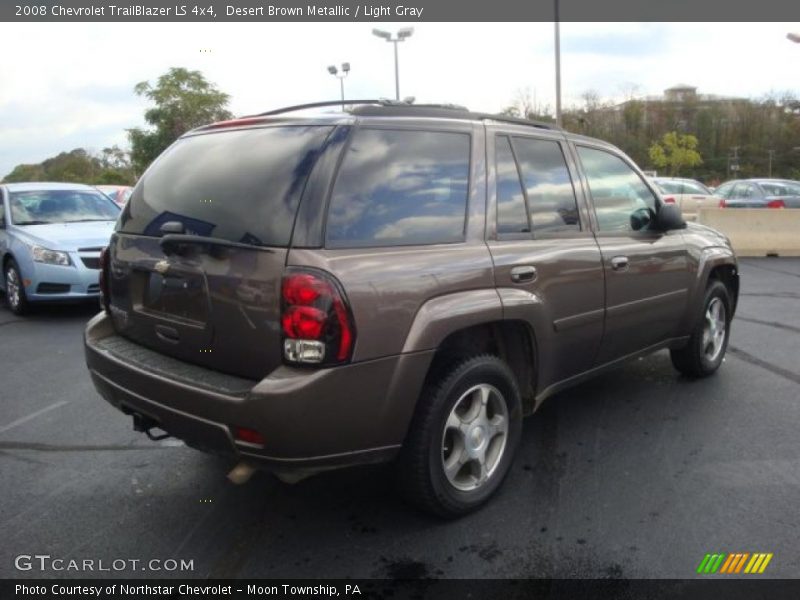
182, 100
675, 152
112, 166
724, 128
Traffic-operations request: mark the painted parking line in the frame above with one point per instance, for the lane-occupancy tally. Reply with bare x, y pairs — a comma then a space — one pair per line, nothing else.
33, 415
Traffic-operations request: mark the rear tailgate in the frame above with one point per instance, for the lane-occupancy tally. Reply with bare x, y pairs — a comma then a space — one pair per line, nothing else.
230, 198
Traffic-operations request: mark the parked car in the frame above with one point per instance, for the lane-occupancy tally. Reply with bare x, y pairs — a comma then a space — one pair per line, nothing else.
430, 276
759, 193
118, 193
688, 194
51, 235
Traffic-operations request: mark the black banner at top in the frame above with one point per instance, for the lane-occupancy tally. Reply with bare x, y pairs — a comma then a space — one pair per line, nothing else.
397, 10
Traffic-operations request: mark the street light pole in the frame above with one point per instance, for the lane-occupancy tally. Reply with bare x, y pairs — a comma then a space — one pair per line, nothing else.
335, 72
558, 64
401, 36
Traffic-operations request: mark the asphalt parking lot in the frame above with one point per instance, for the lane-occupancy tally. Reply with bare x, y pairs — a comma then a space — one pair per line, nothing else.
638, 473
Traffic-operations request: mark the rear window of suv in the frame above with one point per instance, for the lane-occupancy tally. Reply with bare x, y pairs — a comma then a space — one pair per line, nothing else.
400, 187
239, 185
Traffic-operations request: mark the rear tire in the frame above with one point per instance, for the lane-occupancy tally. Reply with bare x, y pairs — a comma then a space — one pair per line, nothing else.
462, 439
703, 355
15, 289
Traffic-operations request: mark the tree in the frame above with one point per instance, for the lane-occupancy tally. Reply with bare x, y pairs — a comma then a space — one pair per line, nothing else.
675, 152
182, 100
79, 166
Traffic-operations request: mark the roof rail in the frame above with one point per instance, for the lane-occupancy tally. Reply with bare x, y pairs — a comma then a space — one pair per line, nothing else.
285, 109
407, 108
517, 121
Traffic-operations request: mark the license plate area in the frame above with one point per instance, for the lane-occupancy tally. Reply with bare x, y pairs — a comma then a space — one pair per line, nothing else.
178, 295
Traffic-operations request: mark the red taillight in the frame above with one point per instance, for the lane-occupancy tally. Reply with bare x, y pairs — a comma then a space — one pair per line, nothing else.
776, 204
105, 296
722, 203
303, 322
315, 319
669, 199
249, 436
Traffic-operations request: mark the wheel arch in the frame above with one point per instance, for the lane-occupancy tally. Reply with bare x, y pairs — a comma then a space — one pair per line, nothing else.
513, 341
715, 262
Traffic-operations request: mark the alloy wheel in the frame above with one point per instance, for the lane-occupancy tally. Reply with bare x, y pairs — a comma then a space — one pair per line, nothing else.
12, 287
475, 437
714, 329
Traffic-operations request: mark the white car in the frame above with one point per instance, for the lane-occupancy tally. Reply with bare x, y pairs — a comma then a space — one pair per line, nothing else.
688, 194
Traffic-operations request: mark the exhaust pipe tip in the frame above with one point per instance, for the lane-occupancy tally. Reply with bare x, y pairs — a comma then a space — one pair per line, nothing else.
241, 473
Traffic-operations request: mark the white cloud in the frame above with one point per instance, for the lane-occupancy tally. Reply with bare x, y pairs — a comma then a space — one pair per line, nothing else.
68, 85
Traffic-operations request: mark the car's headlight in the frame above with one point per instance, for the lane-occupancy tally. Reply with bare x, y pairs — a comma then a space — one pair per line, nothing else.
50, 257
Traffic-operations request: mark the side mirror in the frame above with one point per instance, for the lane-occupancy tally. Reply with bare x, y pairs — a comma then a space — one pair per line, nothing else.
669, 217
641, 218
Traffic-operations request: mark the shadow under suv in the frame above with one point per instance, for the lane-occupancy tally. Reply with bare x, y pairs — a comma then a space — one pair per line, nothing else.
392, 282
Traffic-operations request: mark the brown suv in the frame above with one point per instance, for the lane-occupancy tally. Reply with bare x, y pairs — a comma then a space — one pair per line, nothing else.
394, 281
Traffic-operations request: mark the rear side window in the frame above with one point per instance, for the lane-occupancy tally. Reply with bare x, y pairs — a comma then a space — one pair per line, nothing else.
240, 185
511, 212
548, 185
398, 187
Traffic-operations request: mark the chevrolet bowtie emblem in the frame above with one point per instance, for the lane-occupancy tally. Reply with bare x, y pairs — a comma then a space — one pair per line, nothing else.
161, 266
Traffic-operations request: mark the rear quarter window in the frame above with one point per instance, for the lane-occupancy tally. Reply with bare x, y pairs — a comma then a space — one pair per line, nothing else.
400, 187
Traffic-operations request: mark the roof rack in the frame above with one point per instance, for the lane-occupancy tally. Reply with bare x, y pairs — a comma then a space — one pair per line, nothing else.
517, 121
296, 107
385, 106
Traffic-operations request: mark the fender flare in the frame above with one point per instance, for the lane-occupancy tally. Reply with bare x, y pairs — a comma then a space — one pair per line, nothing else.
710, 258
440, 316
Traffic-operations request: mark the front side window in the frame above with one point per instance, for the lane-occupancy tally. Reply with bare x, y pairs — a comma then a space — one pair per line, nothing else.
548, 185
622, 201
724, 191
742, 190
400, 187
41, 207
682, 187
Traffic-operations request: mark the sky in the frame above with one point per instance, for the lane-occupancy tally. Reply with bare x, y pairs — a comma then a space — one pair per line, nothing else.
70, 85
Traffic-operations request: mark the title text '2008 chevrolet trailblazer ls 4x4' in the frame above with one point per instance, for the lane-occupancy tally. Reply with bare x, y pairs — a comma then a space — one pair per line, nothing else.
305, 292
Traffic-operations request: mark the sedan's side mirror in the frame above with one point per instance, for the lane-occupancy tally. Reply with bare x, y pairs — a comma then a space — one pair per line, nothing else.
669, 217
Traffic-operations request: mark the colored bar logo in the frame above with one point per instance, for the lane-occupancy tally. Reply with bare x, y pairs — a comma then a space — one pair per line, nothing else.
734, 563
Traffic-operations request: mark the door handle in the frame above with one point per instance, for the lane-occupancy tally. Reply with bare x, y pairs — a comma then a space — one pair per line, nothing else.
619, 263
523, 274
168, 334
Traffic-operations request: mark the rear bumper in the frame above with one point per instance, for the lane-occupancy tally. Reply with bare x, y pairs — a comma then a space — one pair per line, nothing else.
311, 419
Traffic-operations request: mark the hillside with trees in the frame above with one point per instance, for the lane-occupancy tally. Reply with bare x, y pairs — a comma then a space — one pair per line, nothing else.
111, 166
757, 136
181, 100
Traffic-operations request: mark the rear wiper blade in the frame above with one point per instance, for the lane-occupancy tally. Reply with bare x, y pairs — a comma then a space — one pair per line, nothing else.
172, 242
87, 220
33, 223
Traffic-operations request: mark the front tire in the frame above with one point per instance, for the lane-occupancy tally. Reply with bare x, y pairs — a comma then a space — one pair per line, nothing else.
703, 355
462, 439
15, 289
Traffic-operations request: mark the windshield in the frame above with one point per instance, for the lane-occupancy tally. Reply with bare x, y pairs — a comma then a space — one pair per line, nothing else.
682, 187
42, 207
780, 188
